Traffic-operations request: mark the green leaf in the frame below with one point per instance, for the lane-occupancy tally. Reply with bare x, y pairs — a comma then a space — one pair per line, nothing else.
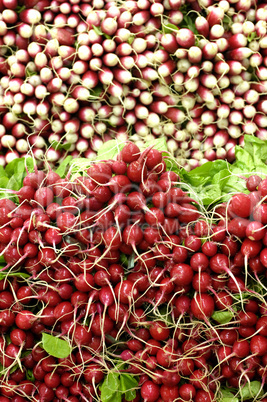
128, 384
55, 346
158, 143
169, 28
222, 317
29, 375
124, 259
110, 387
16, 166
58, 146
2, 172
4, 274
61, 170
97, 30
109, 150
30, 164
131, 261
227, 396
4, 181
97, 91
251, 36
251, 390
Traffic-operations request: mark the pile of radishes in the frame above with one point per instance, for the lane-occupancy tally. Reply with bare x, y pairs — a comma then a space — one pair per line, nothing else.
76, 73
135, 278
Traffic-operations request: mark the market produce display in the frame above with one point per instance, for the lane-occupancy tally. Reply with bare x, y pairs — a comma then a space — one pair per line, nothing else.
133, 186
77, 73
118, 285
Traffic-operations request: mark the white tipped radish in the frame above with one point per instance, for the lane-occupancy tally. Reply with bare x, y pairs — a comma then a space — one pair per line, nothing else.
169, 43
249, 128
249, 112
215, 16
185, 38
227, 96
234, 131
207, 66
194, 54
237, 40
216, 31
202, 26
235, 117
205, 94
210, 50
260, 120
183, 65
8, 141
240, 54
71, 105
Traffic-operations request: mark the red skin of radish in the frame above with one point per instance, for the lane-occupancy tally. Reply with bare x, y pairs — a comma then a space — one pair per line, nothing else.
240, 205
100, 173
182, 274
202, 306
258, 345
251, 248
150, 391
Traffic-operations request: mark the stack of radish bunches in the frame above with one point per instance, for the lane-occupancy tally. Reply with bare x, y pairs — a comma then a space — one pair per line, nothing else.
118, 286
76, 73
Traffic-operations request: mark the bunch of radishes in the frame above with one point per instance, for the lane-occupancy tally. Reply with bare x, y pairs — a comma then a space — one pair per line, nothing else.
77, 73
128, 270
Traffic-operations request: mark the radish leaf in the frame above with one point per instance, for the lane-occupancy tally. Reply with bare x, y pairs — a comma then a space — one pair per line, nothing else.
251, 390
55, 346
222, 317
61, 170
109, 388
227, 396
109, 150
128, 383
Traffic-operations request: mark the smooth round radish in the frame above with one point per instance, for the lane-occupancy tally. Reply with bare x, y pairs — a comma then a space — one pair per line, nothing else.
137, 171
100, 173
260, 213
240, 205
126, 292
25, 319
223, 300
253, 182
204, 396
159, 331
130, 153
251, 248
209, 248
93, 374
150, 391
66, 221
44, 196
187, 392
132, 235
182, 274
169, 393
238, 226
201, 282
153, 158
34, 179
120, 184
258, 345
202, 306
219, 263
255, 231
199, 262
241, 348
